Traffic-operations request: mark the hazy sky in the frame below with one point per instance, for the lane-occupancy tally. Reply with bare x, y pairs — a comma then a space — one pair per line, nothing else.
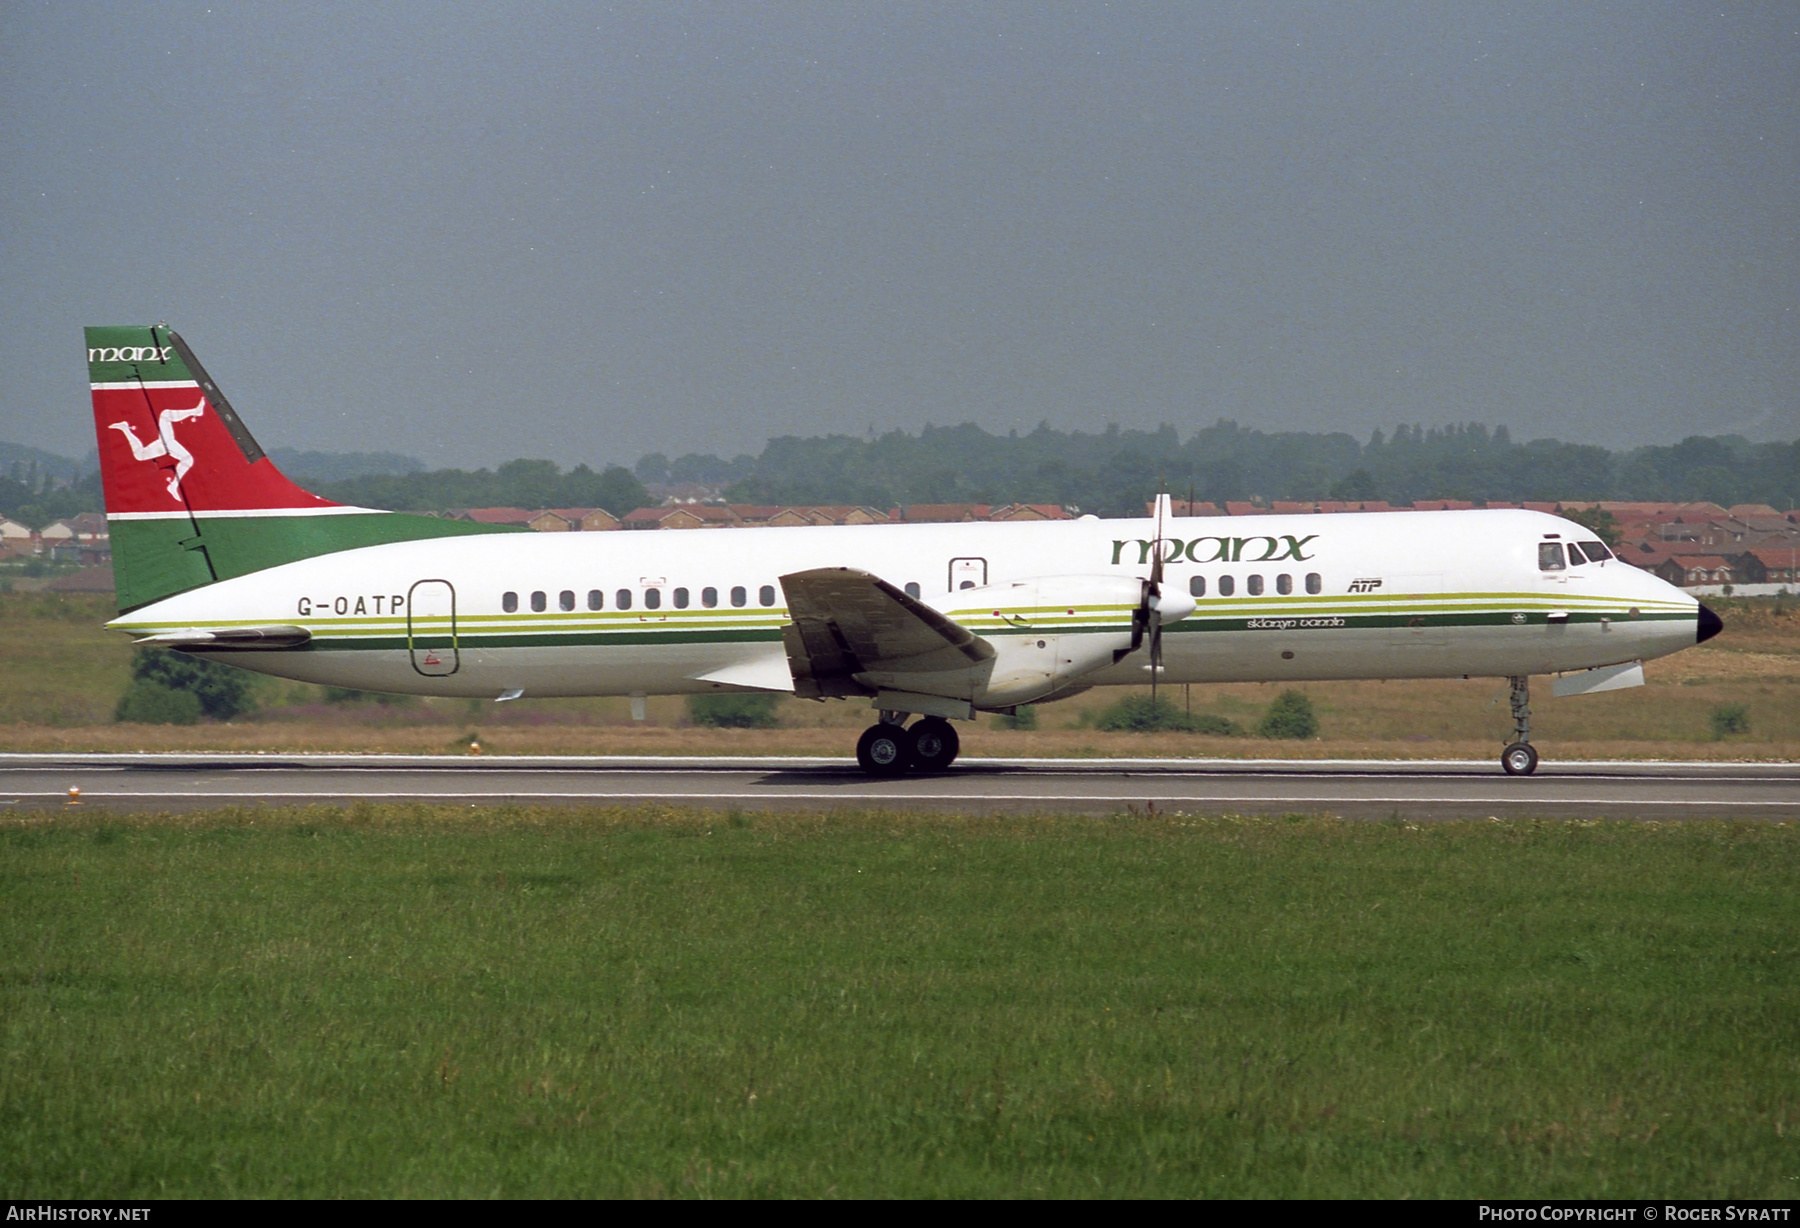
476, 231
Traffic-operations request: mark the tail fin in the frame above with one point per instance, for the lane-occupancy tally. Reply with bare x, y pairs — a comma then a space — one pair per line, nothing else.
190, 497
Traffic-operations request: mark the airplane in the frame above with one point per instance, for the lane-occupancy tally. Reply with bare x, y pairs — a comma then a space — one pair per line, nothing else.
216, 553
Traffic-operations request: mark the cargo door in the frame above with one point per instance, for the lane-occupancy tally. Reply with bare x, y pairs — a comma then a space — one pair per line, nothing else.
431, 628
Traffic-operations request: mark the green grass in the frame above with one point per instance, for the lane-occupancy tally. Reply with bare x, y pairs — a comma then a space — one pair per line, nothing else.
415, 1001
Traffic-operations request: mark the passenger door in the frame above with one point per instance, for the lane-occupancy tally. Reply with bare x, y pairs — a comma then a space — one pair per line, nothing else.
431, 628
967, 573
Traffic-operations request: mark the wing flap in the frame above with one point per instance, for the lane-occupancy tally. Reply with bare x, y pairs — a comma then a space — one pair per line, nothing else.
848, 623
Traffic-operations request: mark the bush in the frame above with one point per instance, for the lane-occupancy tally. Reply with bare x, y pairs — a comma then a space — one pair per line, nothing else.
151, 703
734, 711
1022, 717
222, 691
1290, 716
1141, 714
1728, 719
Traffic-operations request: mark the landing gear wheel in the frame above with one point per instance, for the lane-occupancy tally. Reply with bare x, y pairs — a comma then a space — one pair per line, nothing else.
934, 744
1519, 759
884, 750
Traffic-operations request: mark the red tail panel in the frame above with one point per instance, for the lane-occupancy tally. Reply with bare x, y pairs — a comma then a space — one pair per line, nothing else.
166, 449
168, 440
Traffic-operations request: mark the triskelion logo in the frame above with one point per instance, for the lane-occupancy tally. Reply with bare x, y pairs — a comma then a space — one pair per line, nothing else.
165, 444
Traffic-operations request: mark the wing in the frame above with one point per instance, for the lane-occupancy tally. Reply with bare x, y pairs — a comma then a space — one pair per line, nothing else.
852, 632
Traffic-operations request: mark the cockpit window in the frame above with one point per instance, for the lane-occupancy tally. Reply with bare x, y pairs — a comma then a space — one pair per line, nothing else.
1576, 558
1596, 551
1550, 556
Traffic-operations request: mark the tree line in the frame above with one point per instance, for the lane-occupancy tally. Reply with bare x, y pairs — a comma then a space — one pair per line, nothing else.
1115, 471
1110, 472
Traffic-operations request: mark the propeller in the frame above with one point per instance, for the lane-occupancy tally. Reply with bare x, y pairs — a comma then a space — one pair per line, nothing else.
1159, 607
1156, 606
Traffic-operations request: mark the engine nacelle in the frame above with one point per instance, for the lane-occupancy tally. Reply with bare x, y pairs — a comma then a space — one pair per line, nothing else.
1048, 632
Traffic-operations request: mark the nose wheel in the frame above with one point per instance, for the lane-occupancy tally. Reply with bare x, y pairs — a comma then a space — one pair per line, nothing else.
887, 749
1520, 758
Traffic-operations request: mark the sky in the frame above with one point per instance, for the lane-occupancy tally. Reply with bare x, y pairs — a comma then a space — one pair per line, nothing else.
583, 232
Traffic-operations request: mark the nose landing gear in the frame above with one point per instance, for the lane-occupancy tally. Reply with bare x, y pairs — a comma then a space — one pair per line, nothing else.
1520, 758
888, 749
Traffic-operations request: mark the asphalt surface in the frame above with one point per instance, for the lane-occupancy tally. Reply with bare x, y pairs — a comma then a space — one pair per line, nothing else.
1355, 788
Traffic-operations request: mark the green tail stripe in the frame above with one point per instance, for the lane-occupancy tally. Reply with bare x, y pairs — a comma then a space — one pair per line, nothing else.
153, 559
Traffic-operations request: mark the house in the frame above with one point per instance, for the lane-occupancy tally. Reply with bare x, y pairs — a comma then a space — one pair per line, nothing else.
98, 579
573, 520
772, 516
1030, 511
15, 538
494, 515
1780, 564
944, 513
686, 516
1693, 570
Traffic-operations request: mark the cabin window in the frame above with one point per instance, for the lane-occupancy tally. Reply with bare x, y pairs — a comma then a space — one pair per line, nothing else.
1227, 586
1284, 584
681, 599
1550, 556
622, 599
539, 603
1196, 586
653, 599
1596, 551
1315, 583
565, 600
912, 588
738, 596
709, 597
766, 594
596, 599
1253, 586
509, 602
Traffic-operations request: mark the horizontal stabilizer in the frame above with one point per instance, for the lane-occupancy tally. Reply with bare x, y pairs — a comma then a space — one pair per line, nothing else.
230, 637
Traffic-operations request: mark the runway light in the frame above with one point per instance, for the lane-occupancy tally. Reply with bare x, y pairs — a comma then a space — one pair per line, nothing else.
74, 795
474, 747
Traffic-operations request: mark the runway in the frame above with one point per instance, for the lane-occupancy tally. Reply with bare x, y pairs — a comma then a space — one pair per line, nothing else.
1353, 788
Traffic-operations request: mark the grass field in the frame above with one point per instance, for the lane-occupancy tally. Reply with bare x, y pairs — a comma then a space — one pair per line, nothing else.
61, 676
472, 1002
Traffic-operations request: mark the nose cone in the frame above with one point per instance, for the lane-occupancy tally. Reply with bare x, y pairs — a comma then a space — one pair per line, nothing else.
1709, 625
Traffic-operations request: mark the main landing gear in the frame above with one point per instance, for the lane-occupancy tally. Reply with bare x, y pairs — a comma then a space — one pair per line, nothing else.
1520, 758
890, 749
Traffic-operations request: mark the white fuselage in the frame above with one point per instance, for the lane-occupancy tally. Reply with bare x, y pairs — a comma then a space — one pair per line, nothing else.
1389, 595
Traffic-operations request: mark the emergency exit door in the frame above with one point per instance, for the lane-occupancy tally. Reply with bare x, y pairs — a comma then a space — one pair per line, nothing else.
431, 628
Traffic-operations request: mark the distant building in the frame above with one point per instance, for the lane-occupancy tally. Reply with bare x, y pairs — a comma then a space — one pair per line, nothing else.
98, 579
1030, 511
943, 513
494, 515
